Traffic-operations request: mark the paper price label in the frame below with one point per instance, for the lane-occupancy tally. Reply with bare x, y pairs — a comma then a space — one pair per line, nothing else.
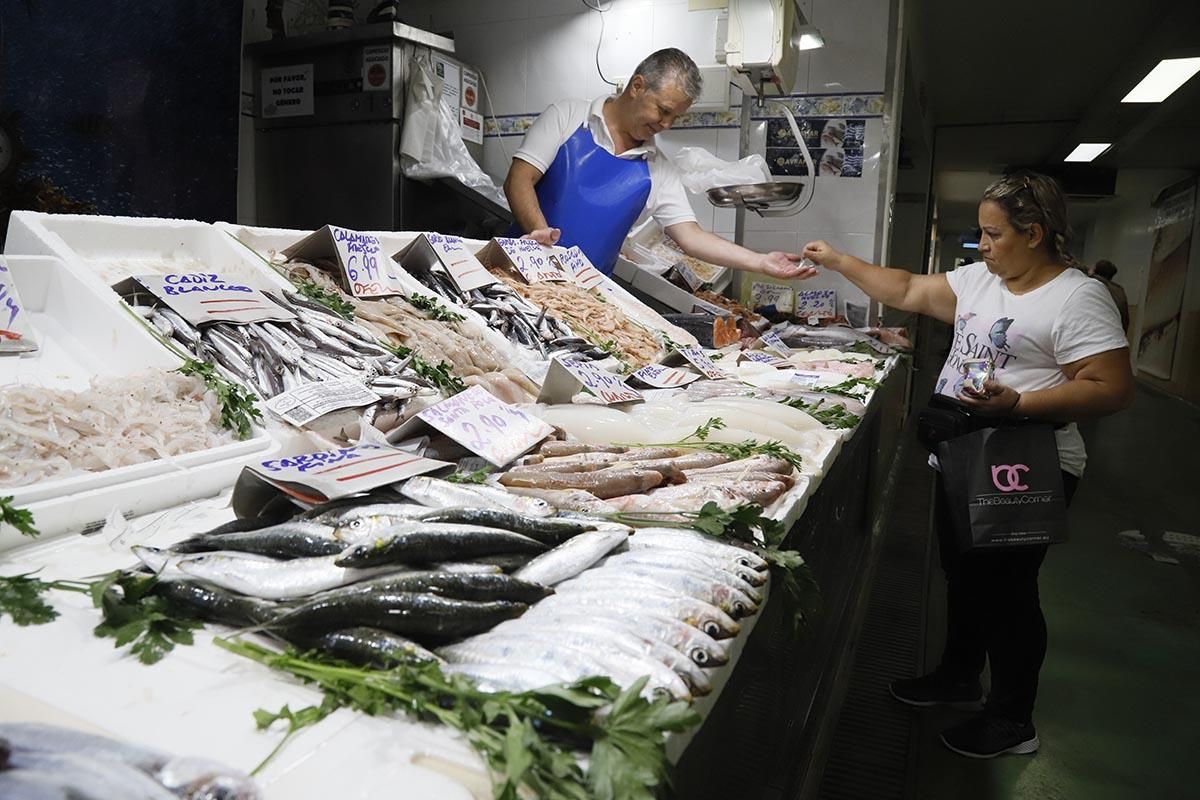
344, 471
14, 323
534, 261
662, 377
565, 377
368, 270
689, 275
771, 340
582, 270
816, 303
206, 297
808, 380
466, 270
760, 357
486, 426
771, 294
706, 307
303, 404
697, 358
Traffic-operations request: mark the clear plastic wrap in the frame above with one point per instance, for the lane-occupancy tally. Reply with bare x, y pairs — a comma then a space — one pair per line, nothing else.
702, 170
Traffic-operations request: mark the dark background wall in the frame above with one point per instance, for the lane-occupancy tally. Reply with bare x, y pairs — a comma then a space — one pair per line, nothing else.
125, 108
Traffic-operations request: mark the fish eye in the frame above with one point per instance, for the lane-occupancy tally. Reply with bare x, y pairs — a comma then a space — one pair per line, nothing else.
712, 629
700, 657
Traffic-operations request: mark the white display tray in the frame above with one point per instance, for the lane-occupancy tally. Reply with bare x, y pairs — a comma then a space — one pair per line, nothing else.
106, 250
80, 338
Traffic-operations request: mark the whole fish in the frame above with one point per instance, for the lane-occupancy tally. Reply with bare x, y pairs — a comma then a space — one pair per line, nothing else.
548, 530
652, 576
702, 649
572, 557
694, 564
760, 463
344, 515
478, 586
503, 677
80, 778
691, 540
704, 616
270, 579
214, 604
555, 448
567, 499
367, 647
288, 540
603, 484
425, 616
422, 543
441, 494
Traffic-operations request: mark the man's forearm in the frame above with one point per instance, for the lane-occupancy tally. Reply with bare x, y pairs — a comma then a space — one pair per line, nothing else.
709, 247
523, 201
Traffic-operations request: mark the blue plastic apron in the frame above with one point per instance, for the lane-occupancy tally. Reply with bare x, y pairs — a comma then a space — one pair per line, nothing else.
594, 197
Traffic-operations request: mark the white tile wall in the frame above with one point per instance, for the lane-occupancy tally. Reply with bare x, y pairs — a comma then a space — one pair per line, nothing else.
854, 58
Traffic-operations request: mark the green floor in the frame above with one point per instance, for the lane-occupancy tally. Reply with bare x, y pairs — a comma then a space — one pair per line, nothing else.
1119, 706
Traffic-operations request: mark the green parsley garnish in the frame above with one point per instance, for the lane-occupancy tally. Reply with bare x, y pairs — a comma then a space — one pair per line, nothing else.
238, 411
135, 616
697, 440
431, 306
440, 376
847, 388
478, 476
833, 415
19, 518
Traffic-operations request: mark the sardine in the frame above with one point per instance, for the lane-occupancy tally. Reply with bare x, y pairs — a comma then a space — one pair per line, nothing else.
548, 530
367, 647
477, 586
652, 576
695, 644
214, 604
691, 540
572, 557
406, 613
704, 616
436, 542
296, 539
265, 577
503, 677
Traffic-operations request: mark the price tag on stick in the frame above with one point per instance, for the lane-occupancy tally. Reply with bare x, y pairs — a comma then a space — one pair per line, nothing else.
661, 377
486, 426
14, 323
303, 404
772, 342
535, 262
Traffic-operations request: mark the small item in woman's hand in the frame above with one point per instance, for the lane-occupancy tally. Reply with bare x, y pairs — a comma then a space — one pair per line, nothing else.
976, 372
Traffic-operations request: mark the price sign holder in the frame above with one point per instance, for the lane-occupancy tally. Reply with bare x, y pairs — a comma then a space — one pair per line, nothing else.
534, 262
772, 342
661, 377
804, 378
565, 378
486, 426
203, 298
760, 357
365, 270
303, 404
16, 334
433, 250
314, 478
698, 359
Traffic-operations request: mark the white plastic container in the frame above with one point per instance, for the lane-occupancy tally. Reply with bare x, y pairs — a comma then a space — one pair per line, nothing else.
81, 337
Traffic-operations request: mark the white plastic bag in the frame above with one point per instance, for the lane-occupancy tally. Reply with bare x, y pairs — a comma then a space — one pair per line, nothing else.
702, 170
431, 144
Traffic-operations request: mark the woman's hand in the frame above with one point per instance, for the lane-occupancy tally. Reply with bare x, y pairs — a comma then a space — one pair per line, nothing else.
820, 252
996, 399
785, 265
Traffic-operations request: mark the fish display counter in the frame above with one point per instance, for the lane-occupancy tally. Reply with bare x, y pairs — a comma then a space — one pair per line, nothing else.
509, 563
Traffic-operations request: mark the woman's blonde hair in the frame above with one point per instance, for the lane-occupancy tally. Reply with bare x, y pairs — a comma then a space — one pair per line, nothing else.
1028, 198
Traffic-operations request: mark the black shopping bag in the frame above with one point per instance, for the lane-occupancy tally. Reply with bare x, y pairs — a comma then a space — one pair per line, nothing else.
1005, 487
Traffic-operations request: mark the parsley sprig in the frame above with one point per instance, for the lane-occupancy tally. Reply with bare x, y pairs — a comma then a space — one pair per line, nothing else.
478, 476
431, 306
698, 440
833, 415
135, 616
20, 519
238, 411
526, 738
440, 376
332, 300
21, 598
851, 387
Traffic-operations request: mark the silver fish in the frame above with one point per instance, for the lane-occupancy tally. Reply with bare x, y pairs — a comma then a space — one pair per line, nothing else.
440, 494
265, 577
571, 557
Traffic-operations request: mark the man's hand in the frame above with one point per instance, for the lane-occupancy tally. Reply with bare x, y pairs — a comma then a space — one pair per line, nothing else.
784, 265
820, 252
546, 236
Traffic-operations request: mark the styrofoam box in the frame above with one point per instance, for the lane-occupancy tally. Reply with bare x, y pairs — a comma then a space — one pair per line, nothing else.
109, 249
80, 336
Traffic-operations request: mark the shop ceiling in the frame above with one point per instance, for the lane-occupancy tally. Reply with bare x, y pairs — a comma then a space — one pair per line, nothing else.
1022, 82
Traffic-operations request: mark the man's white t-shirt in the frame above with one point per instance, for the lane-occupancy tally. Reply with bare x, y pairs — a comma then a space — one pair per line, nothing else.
667, 203
1030, 336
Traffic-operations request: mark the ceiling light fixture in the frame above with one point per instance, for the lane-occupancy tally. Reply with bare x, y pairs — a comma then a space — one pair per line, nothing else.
807, 37
1160, 82
1088, 151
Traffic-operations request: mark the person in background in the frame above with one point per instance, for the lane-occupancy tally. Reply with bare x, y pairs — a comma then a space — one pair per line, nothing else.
587, 172
1104, 271
1060, 356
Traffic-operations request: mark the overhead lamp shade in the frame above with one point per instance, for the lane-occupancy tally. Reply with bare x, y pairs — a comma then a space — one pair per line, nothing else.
807, 37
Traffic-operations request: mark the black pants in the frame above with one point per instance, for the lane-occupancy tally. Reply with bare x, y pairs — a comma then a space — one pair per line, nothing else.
993, 612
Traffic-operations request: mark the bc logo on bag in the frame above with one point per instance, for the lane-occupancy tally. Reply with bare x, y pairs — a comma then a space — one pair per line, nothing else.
1012, 481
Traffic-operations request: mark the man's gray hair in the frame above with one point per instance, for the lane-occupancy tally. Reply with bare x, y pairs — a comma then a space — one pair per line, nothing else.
670, 66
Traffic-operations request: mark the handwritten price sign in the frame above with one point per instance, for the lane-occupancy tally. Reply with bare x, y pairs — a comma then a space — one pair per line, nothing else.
368, 270
605, 385
662, 377
582, 271
771, 341
760, 357
535, 262
486, 426
466, 270
340, 472
206, 297
698, 359
816, 303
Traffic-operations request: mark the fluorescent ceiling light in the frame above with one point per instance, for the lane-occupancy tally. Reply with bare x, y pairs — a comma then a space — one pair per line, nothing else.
1160, 82
1088, 151
970, 245
807, 37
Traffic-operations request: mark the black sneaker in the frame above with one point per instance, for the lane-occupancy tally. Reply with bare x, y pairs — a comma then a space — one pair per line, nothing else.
988, 736
935, 689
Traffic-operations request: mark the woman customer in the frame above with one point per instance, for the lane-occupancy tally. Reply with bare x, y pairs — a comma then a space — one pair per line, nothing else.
1059, 355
